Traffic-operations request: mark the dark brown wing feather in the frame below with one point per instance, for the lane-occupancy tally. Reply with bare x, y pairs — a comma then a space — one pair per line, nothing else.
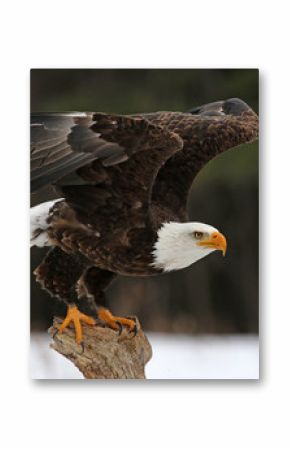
62, 143
206, 132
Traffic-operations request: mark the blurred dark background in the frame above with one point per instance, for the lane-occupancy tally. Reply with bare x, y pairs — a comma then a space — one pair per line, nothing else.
215, 295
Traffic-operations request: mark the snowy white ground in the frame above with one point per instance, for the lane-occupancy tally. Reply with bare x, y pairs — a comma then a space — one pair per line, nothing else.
174, 357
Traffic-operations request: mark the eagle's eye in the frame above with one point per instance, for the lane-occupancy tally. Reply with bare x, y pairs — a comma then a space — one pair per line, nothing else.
198, 235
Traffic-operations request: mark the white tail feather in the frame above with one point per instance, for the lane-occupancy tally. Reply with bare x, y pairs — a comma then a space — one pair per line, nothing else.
38, 223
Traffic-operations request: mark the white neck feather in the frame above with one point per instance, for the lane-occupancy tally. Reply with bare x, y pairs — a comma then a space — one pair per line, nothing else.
175, 247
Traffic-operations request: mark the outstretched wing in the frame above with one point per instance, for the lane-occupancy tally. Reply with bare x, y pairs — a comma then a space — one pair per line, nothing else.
206, 131
102, 164
63, 142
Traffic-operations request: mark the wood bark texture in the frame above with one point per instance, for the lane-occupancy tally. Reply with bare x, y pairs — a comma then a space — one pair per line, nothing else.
105, 354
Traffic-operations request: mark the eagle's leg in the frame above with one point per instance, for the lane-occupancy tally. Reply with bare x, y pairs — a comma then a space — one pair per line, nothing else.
59, 274
96, 281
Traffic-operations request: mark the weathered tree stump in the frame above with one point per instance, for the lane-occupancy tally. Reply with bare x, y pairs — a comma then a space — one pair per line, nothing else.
105, 354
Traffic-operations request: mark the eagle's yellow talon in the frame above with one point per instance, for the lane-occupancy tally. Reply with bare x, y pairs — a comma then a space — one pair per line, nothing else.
74, 315
116, 322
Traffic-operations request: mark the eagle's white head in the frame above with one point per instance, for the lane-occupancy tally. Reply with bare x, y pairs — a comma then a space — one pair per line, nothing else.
179, 245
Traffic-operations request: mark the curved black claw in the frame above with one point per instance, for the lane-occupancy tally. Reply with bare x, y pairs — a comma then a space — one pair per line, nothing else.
83, 347
120, 327
135, 328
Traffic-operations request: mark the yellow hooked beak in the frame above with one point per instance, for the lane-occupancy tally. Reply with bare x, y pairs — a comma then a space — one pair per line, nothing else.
216, 241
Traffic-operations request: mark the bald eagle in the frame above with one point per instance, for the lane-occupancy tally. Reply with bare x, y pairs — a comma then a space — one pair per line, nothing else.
123, 182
